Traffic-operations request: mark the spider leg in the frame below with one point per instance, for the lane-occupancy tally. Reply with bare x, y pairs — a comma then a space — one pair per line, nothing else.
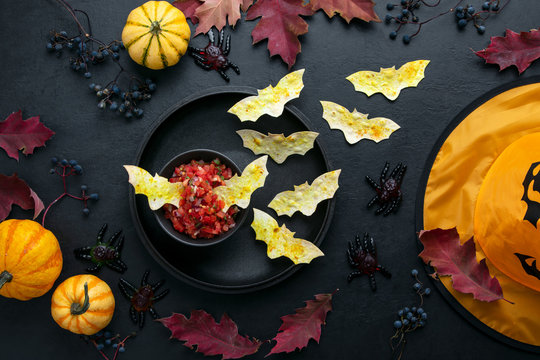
234, 67
223, 75
203, 65
373, 183
391, 208
381, 209
101, 233
370, 246
211, 36
124, 286
220, 38
384, 171
83, 253
384, 271
158, 285
372, 282
144, 280
161, 295
94, 268
400, 175
195, 50
118, 247
141, 319
396, 171
358, 242
373, 201
227, 45
116, 267
353, 275
113, 238
133, 314
349, 255
153, 312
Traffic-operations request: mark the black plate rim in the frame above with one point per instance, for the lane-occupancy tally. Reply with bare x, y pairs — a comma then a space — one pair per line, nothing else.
216, 288
419, 212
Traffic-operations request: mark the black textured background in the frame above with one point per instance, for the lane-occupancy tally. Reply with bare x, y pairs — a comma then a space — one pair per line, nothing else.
361, 323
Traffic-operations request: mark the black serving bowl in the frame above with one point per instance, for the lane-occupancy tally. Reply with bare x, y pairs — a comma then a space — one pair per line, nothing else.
167, 171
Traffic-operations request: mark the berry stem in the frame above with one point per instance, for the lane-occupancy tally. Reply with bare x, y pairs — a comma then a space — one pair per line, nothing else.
48, 207
74, 16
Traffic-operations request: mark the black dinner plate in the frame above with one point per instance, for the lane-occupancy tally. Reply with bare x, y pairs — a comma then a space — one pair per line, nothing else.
239, 264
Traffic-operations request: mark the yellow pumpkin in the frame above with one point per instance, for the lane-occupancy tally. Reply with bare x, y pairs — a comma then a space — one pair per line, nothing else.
156, 35
30, 259
83, 304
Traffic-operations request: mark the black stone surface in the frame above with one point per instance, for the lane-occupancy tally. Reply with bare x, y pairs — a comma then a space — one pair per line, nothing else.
361, 323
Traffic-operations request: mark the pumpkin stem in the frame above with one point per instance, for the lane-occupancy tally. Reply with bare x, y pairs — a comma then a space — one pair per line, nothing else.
155, 28
5, 277
78, 309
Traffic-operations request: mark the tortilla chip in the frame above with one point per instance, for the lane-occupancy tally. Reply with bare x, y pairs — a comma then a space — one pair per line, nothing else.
278, 146
158, 189
281, 241
238, 189
305, 198
389, 81
356, 126
271, 100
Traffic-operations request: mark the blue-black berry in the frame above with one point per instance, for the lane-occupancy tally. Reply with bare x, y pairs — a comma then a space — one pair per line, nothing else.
462, 23
417, 286
406, 39
94, 196
398, 324
393, 35
387, 19
389, 7
481, 29
427, 291
414, 272
88, 74
86, 211
486, 6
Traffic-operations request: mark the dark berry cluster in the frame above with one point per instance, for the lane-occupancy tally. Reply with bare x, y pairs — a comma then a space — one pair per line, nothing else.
464, 15
104, 339
84, 49
124, 101
65, 169
410, 318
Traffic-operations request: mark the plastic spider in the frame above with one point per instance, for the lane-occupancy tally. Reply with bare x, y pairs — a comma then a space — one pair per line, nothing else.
388, 190
143, 298
363, 257
214, 56
103, 252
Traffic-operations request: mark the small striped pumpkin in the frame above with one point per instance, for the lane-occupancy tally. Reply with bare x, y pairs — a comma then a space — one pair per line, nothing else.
83, 304
156, 35
30, 259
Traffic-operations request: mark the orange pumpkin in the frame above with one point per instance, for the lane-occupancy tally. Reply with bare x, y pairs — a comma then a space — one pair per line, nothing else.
30, 259
83, 304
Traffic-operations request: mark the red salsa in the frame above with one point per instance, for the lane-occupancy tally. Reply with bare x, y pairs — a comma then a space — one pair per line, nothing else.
199, 213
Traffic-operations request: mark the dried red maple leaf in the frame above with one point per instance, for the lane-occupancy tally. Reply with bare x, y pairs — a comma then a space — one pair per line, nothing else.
297, 329
188, 7
18, 134
211, 338
515, 49
13, 190
217, 12
443, 250
281, 24
347, 9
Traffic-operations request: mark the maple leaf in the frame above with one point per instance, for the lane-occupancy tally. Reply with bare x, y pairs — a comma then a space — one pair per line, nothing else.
281, 24
515, 49
217, 12
18, 134
443, 250
297, 329
211, 338
347, 9
13, 190
188, 7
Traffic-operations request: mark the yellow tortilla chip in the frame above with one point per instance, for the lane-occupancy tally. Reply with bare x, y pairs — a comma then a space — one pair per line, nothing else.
305, 198
355, 125
278, 146
281, 241
271, 100
389, 81
158, 189
238, 189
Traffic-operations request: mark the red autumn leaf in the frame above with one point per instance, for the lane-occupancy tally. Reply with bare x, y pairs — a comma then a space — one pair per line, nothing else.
443, 250
281, 24
188, 7
347, 9
15, 191
211, 338
216, 12
18, 134
513, 49
297, 329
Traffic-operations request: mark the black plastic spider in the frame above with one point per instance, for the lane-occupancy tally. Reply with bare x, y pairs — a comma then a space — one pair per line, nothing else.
214, 56
388, 190
104, 252
363, 257
143, 298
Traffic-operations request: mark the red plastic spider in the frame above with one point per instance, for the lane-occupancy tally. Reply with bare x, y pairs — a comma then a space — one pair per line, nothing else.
388, 191
143, 298
214, 56
363, 257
